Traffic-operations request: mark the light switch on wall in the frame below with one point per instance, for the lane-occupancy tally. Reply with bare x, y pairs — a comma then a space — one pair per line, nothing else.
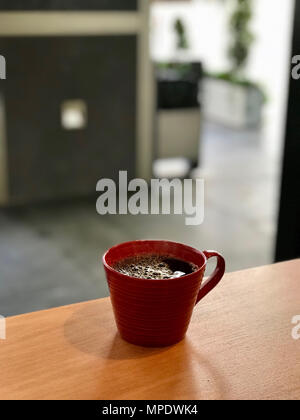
74, 114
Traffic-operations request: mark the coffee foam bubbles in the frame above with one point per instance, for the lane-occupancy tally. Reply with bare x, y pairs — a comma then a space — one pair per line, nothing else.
154, 267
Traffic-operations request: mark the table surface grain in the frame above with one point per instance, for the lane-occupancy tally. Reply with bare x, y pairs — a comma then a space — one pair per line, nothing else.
239, 346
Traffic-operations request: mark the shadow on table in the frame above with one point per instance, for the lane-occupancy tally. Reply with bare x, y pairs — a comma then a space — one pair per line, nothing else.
175, 372
94, 332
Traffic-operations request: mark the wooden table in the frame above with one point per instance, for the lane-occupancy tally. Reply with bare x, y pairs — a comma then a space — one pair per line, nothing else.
239, 346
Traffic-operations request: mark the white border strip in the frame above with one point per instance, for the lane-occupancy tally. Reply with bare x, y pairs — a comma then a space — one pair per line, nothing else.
69, 23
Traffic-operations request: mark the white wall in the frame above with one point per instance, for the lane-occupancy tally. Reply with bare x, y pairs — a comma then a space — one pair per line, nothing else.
270, 64
207, 24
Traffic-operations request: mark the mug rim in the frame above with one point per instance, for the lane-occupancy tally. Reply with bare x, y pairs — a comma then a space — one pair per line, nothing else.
187, 276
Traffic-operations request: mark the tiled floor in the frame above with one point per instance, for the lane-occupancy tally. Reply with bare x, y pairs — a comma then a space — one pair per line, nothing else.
51, 255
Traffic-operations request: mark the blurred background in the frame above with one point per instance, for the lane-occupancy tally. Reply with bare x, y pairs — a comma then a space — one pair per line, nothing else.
195, 88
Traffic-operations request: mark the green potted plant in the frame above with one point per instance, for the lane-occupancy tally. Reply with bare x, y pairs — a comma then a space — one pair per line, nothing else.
229, 97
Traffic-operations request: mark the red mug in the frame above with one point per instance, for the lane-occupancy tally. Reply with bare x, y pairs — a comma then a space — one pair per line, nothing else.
157, 313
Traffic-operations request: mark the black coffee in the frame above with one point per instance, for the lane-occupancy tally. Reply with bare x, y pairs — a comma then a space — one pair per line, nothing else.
154, 267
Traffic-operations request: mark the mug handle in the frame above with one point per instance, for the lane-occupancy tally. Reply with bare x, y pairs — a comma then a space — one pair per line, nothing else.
216, 276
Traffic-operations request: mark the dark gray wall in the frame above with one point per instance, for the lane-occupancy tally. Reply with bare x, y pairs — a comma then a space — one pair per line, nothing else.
45, 160
288, 237
68, 4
